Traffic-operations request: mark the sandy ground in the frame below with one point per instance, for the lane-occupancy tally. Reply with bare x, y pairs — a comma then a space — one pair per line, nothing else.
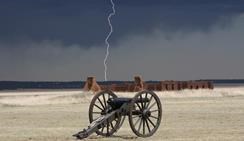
189, 115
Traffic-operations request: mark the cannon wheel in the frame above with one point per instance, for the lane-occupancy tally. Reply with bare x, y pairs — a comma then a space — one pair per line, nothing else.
98, 107
147, 120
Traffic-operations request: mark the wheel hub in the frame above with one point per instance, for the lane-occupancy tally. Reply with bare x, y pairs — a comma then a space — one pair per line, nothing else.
146, 113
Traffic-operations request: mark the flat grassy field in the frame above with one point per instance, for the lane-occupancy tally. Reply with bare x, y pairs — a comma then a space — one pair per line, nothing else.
55, 116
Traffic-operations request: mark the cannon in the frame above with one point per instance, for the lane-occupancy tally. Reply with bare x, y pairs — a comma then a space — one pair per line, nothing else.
107, 113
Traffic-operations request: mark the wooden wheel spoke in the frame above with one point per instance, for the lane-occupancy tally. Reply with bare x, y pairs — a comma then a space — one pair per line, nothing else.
154, 117
112, 125
151, 122
145, 103
139, 106
102, 129
98, 107
154, 111
107, 128
101, 103
152, 105
143, 126
141, 102
148, 127
139, 128
137, 122
135, 116
104, 99
149, 101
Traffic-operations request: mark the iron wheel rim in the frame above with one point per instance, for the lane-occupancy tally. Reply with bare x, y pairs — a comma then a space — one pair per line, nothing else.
99, 102
146, 123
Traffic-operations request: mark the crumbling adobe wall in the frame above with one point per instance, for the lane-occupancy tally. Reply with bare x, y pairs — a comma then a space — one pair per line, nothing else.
199, 85
91, 85
139, 84
153, 87
170, 85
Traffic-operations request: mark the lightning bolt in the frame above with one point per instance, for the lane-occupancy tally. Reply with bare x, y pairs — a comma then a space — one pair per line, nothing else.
107, 38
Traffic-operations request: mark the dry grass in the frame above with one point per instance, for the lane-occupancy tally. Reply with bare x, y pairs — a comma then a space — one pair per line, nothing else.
203, 115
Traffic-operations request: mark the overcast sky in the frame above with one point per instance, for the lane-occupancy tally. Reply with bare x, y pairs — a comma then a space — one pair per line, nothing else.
157, 39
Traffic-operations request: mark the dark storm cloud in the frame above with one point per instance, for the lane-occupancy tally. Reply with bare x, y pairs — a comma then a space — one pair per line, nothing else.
176, 15
84, 22
158, 39
179, 2
197, 55
71, 22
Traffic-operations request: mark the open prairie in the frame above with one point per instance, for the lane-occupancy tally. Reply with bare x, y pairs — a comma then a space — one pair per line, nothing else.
188, 115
